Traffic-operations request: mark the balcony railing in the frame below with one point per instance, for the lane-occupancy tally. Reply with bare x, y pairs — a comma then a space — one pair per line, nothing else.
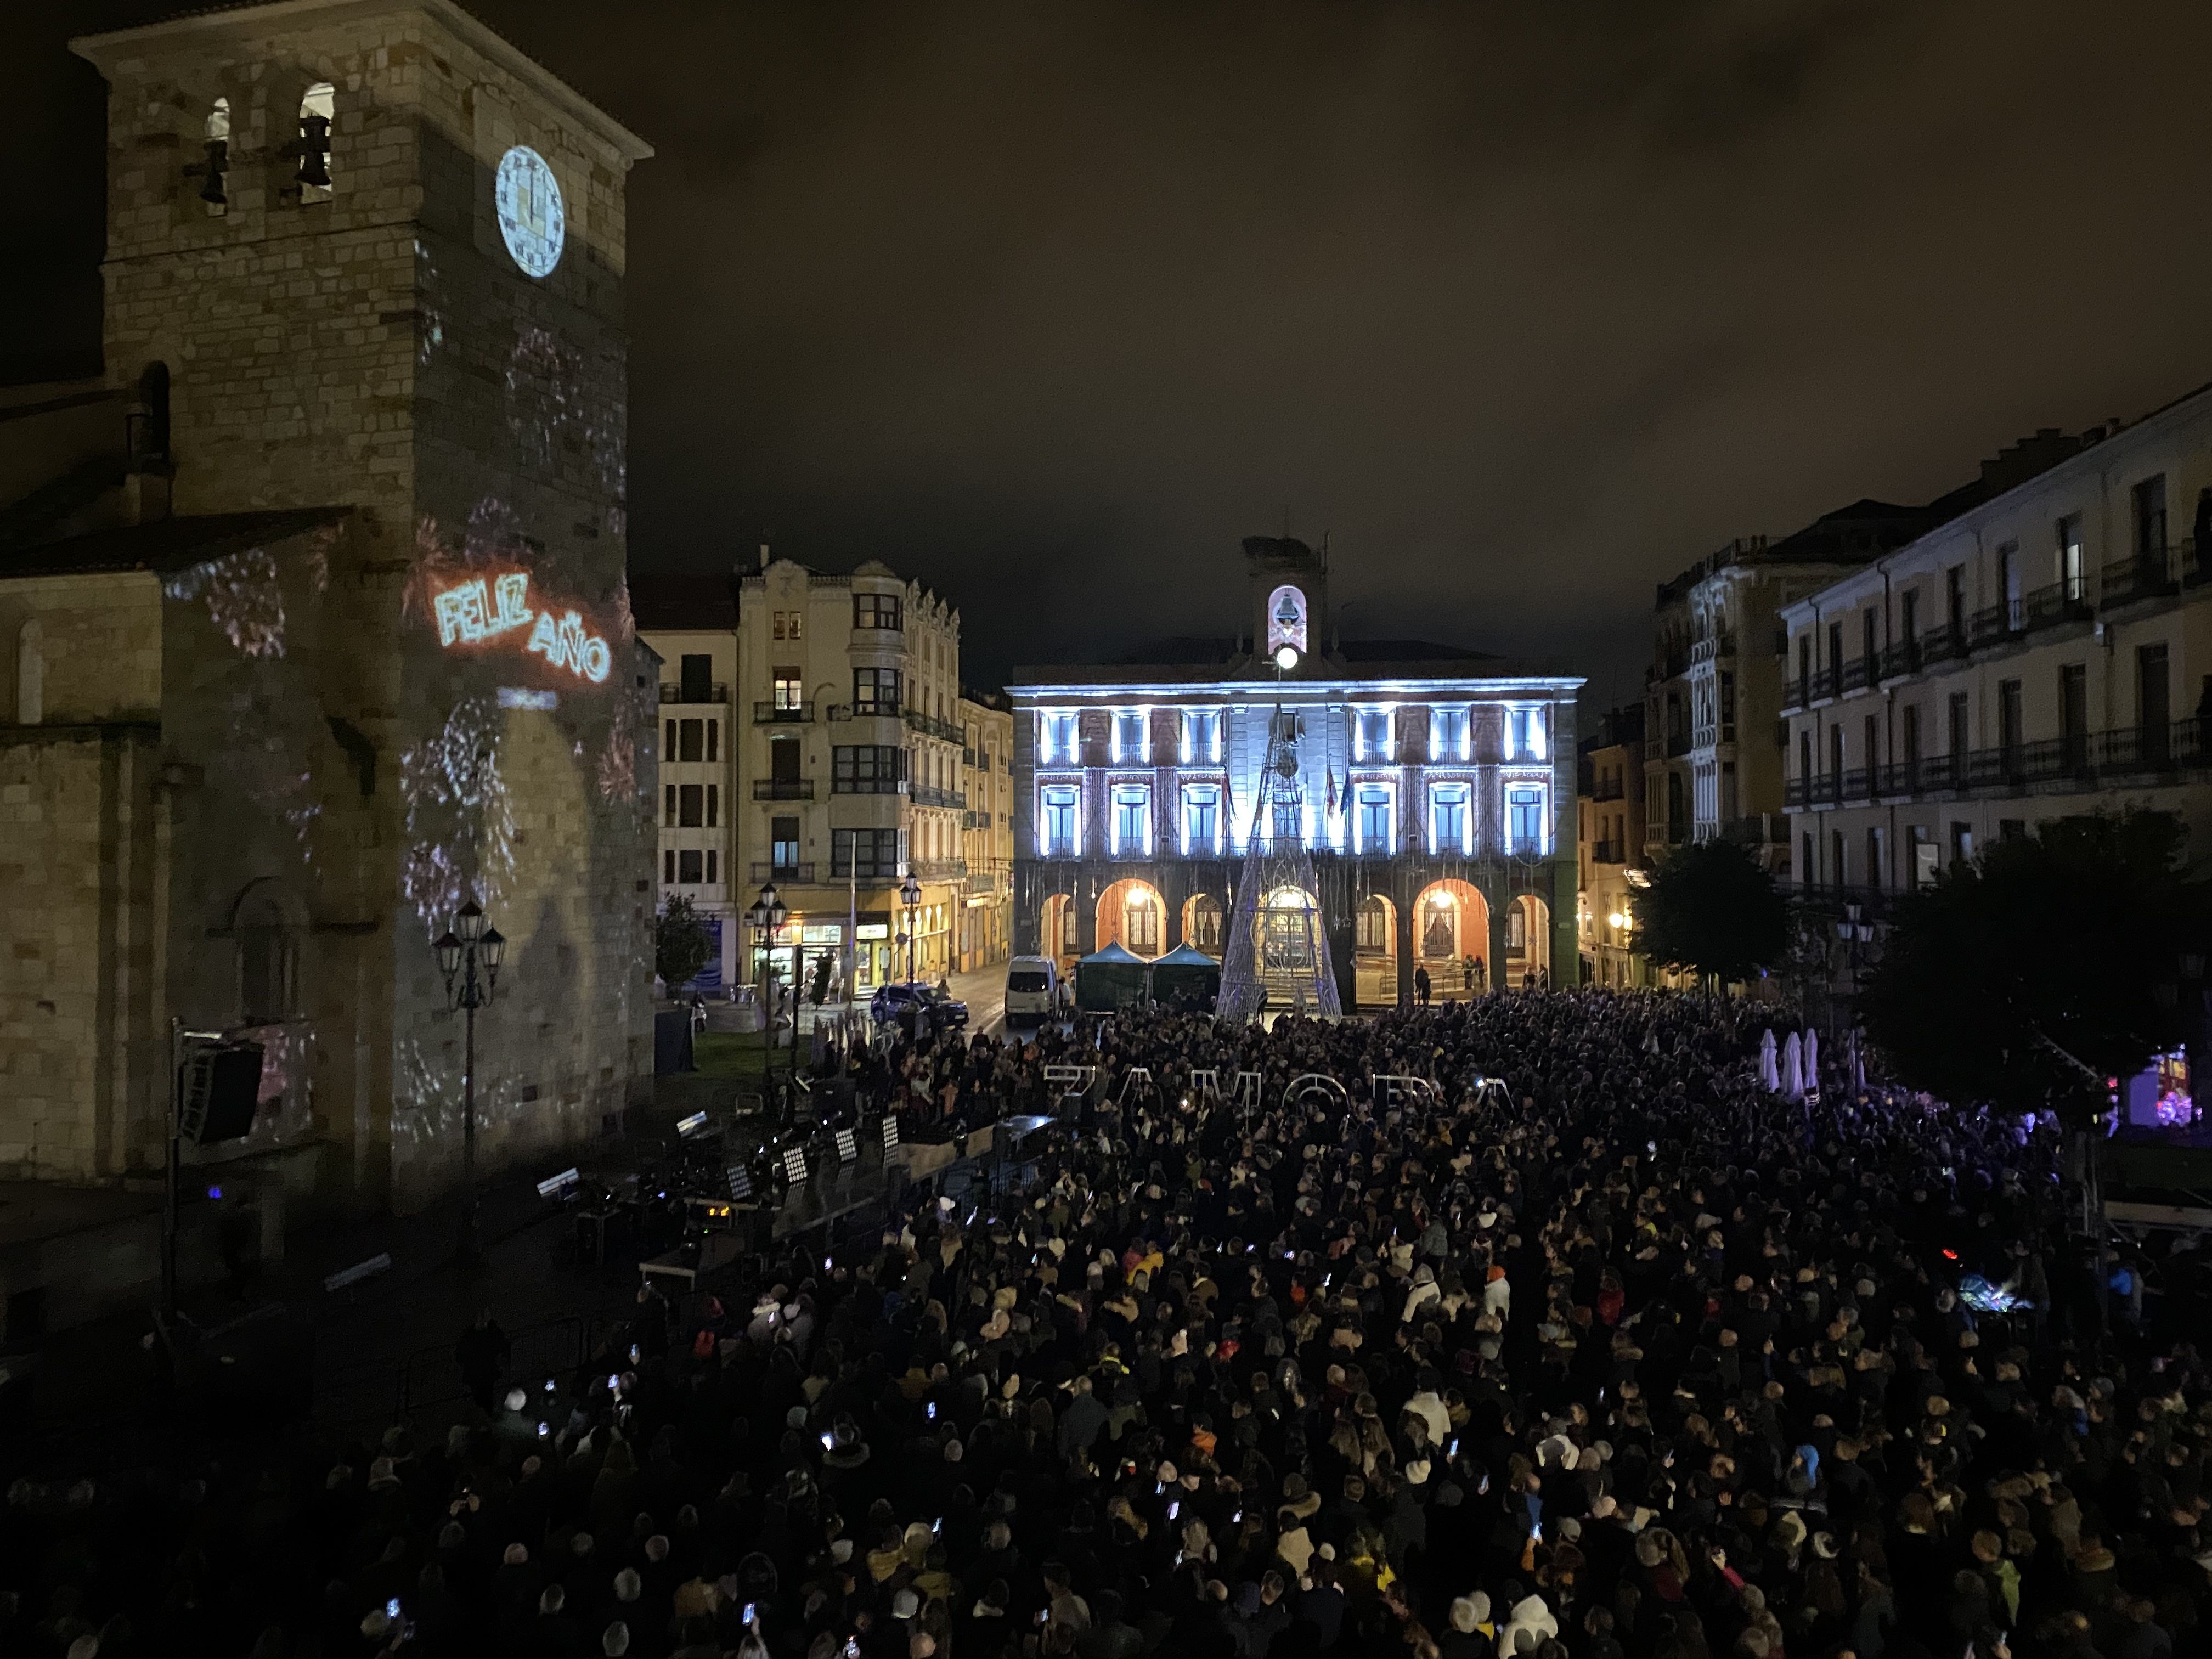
926, 794
2079, 759
1901, 659
1678, 745
930, 726
1609, 789
1760, 829
2146, 576
783, 714
671, 692
1059, 849
1942, 643
783, 789
1608, 852
2060, 602
940, 869
1824, 682
1712, 646
1857, 784
1858, 673
867, 786
1994, 624
801, 875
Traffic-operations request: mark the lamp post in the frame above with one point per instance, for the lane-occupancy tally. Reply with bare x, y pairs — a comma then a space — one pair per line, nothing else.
767, 915
460, 948
910, 891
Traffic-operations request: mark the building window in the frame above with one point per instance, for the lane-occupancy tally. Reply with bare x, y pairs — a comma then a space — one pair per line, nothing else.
783, 845
669, 793
1371, 735
783, 760
1056, 738
713, 740
2072, 582
1140, 924
215, 137
1525, 737
1287, 830
690, 740
875, 690
1525, 811
787, 688
864, 854
1808, 875
867, 768
668, 743
1372, 829
1449, 739
1373, 936
1130, 736
2150, 500
1056, 825
317, 111
1132, 819
1839, 868
1205, 929
787, 625
1201, 819
690, 867
714, 806
690, 806
1201, 736
1874, 858
268, 969
876, 611
1449, 819
668, 868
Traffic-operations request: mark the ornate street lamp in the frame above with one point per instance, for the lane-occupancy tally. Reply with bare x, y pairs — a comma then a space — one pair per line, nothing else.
766, 915
462, 949
910, 891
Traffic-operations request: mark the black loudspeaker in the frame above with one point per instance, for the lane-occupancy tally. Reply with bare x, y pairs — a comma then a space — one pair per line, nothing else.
222, 1087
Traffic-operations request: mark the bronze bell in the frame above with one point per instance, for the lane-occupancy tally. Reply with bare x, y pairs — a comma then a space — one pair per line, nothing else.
218, 162
315, 150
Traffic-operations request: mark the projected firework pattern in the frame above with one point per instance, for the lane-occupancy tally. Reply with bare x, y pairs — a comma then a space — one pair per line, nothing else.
461, 819
426, 1099
549, 416
260, 760
244, 600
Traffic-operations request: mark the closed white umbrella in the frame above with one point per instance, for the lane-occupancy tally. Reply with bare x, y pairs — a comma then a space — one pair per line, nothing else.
1813, 1062
1770, 1069
1793, 1067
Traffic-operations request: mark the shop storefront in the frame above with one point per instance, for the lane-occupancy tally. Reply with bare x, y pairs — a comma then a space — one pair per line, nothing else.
811, 946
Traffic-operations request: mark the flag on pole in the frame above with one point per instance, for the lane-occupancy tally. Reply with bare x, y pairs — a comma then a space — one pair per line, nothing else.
1332, 791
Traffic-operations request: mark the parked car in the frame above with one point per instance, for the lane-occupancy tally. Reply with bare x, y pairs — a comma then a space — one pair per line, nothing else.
1032, 990
896, 1005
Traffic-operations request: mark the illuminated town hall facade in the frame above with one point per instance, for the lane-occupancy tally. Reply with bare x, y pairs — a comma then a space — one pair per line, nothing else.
1432, 795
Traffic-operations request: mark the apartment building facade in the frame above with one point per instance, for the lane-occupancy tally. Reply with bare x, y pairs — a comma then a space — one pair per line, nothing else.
1609, 845
696, 791
813, 743
1714, 766
983, 932
2045, 653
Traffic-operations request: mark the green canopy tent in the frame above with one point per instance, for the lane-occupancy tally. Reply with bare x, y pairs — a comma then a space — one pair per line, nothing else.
1186, 978
1110, 979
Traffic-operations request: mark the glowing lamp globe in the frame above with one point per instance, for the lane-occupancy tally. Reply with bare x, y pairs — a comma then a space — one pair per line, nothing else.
1287, 658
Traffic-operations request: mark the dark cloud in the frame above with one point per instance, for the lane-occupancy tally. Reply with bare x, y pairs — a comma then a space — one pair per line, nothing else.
1527, 303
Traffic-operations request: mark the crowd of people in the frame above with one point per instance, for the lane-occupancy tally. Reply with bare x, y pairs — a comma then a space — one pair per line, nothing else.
1564, 1341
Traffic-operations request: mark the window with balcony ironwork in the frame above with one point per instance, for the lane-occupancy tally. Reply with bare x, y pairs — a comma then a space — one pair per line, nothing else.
1372, 824
1132, 803
1201, 818
788, 690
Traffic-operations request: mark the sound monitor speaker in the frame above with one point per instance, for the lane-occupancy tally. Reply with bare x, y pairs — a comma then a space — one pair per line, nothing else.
222, 1089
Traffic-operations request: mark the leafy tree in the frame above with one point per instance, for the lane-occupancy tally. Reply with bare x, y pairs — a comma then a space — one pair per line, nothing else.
1711, 908
2027, 977
681, 943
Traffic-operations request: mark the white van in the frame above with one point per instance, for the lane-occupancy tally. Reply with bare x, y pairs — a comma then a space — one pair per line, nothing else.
1032, 991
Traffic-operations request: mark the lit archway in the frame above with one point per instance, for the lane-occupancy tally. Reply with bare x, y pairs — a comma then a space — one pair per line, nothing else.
1204, 917
1056, 927
1132, 914
1527, 941
1451, 937
1374, 950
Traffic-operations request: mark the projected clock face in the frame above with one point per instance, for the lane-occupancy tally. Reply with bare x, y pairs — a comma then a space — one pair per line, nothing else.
531, 217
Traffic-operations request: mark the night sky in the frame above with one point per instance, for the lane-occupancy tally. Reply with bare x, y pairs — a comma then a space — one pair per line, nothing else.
1525, 305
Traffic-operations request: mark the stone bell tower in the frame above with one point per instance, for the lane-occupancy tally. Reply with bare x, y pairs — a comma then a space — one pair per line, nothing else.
365, 262
1288, 585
